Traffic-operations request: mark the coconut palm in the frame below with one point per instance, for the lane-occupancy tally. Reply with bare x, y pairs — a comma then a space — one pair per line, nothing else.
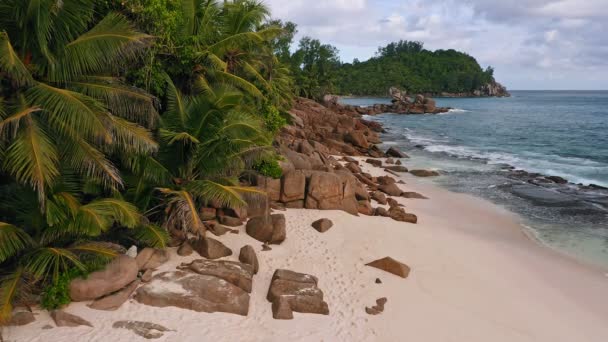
66, 119
207, 142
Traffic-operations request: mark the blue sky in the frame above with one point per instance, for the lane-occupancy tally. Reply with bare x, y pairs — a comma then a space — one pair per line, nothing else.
532, 44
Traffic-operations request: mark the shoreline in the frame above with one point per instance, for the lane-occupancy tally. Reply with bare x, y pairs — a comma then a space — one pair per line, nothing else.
475, 274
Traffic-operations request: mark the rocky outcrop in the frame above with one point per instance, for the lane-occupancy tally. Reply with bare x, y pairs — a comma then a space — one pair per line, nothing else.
391, 265
21, 316
192, 291
116, 275
291, 291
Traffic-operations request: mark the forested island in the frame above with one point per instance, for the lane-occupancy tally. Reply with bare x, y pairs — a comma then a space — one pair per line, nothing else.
409, 66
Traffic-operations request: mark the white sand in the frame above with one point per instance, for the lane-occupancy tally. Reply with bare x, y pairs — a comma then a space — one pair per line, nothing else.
475, 277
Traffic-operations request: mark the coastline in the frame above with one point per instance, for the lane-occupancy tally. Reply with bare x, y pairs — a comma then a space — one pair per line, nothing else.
475, 277
475, 274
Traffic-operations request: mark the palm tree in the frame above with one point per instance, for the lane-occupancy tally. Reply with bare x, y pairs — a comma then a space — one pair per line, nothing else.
207, 141
66, 120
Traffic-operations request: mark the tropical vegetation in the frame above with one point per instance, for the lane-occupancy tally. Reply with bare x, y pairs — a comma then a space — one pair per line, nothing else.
119, 120
409, 66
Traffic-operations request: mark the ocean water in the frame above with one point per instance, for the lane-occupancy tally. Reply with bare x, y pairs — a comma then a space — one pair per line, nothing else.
481, 143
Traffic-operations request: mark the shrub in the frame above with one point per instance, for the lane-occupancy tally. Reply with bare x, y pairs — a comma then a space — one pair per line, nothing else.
269, 168
273, 119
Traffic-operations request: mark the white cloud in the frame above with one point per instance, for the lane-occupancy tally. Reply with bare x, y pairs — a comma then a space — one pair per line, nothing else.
528, 42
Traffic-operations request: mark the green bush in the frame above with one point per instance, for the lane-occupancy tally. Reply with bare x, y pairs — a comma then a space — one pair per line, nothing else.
269, 168
57, 294
273, 119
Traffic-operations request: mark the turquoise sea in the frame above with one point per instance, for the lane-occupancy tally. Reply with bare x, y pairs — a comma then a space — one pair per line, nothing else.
483, 145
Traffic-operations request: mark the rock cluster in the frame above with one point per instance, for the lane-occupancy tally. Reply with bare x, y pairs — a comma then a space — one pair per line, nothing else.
291, 291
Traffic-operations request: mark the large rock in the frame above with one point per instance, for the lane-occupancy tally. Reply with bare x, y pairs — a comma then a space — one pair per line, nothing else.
116, 275
322, 225
64, 319
271, 186
236, 273
115, 300
258, 205
424, 173
185, 249
413, 195
365, 208
270, 229
150, 258
352, 167
210, 248
293, 187
391, 265
374, 162
291, 291
394, 152
398, 214
230, 221
357, 138
396, 168
329, 191
247, 256
192, 291
379, 197
390, 189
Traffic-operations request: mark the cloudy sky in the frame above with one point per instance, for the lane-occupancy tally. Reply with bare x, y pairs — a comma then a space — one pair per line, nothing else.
532, 44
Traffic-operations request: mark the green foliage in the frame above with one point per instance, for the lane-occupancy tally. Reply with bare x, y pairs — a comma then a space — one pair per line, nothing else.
273, 119
269, 168
315, 66
119, 119
57, 293
408, 66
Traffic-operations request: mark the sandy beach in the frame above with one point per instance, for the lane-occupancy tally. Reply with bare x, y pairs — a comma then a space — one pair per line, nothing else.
475, 277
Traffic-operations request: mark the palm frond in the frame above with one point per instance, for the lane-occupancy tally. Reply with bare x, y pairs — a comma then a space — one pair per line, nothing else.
131, 137
9, 291
228, 196
111, 43
71, 112
125, 101
11, 64
50, 261
151, 235
171, 137
95, 248
90, 162
32, 158
183, 211
13, 240
239, 83
100, 215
